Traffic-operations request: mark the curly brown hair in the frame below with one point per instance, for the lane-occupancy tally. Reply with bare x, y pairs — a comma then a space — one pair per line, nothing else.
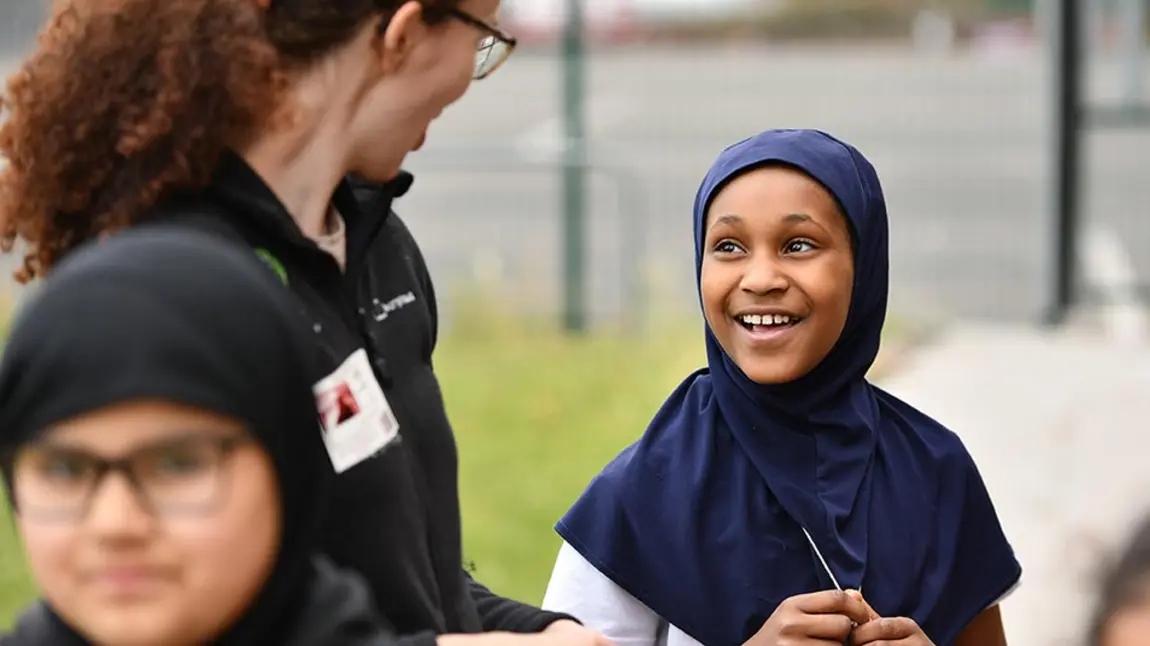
125, 100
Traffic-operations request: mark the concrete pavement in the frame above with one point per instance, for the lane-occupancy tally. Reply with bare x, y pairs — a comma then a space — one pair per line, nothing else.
1058, 423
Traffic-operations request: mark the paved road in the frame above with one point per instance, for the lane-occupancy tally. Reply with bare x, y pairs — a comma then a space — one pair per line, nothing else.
1063, 453
959, 142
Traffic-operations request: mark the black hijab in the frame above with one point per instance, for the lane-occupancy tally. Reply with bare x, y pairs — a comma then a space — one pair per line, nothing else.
166, 313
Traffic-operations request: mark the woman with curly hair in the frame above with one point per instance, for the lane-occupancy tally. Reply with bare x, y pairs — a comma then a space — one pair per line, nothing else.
281, 125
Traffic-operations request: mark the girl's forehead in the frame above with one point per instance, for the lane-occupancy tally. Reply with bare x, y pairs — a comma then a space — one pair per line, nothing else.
122, 427
781, 191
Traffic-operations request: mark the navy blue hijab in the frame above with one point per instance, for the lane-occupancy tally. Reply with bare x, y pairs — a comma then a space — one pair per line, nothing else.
702, 519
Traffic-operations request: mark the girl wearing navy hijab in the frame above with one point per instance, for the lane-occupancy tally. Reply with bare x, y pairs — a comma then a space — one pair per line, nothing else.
777, 484
162, 455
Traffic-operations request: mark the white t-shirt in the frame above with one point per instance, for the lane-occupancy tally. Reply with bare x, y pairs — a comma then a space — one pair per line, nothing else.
579, 589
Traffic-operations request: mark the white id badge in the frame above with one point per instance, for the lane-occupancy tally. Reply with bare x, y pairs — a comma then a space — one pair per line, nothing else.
355, 418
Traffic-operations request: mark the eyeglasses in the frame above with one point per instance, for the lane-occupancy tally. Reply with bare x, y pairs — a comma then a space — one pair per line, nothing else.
494, 48
171, 477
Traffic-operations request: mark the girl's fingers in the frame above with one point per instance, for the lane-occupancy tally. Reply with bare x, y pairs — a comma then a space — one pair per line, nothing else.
871, 614
884, 629
832, 602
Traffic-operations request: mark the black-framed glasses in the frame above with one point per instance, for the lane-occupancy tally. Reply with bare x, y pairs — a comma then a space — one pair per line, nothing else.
174, 476
494, 48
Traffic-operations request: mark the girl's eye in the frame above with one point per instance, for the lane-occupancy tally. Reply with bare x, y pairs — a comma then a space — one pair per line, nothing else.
799, 246
174, 463
63, 467
727, 246
179, 462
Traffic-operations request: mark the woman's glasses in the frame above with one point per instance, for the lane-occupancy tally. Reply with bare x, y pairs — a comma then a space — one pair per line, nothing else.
185, 475
494, 48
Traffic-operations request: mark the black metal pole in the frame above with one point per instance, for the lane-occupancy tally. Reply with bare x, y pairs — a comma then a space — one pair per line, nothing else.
574, 171
1068, 37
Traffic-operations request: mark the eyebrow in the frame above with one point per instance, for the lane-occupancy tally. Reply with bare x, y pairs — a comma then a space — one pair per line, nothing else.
731, 218
175, 439
725, 219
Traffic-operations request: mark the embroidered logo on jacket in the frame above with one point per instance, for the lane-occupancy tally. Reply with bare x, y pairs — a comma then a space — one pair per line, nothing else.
380, 310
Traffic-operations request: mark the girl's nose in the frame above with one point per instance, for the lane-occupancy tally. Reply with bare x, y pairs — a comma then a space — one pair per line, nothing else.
762, 276
116, 509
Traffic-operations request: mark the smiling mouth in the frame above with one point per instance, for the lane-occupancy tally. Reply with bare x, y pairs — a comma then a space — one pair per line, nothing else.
766, 322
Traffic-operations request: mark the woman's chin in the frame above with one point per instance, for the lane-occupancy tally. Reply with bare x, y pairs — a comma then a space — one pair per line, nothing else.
379, 175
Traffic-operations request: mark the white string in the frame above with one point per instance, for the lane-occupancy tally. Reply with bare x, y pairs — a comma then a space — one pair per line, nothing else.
822, 560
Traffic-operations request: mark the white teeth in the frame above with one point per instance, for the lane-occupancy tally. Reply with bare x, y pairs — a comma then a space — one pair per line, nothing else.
765, 319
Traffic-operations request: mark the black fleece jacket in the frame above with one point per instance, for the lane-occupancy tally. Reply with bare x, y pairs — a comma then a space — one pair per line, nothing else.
395, 517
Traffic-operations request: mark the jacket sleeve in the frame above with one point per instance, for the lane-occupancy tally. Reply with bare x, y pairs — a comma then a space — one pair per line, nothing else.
341, 610
501, 613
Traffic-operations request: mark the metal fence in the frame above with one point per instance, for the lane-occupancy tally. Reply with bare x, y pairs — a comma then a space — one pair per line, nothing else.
1100, 251
963, 137
971, 143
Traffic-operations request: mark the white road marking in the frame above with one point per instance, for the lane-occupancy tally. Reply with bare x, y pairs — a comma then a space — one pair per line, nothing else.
603, 114
1108, 269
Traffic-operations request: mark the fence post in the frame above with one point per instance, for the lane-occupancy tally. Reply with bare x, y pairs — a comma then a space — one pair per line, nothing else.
1132, 22
574, 206
1066, 40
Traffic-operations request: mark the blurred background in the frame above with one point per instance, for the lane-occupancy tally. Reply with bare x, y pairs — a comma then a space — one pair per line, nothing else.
554, 202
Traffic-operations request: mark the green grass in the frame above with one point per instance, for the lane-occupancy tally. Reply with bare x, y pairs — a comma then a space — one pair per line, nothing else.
15, 586
536, 418
536, 414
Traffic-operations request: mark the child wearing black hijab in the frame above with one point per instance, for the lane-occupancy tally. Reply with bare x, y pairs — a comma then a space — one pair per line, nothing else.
163, 457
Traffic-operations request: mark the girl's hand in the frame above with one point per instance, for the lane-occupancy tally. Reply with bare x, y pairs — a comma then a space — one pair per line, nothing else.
871, 614
820, 618
890, 631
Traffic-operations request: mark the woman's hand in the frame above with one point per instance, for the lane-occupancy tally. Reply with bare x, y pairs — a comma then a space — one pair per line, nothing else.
570, 633
561, 633
890, 631
820, 618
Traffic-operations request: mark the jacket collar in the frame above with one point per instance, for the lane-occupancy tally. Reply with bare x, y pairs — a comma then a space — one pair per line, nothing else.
364, 205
